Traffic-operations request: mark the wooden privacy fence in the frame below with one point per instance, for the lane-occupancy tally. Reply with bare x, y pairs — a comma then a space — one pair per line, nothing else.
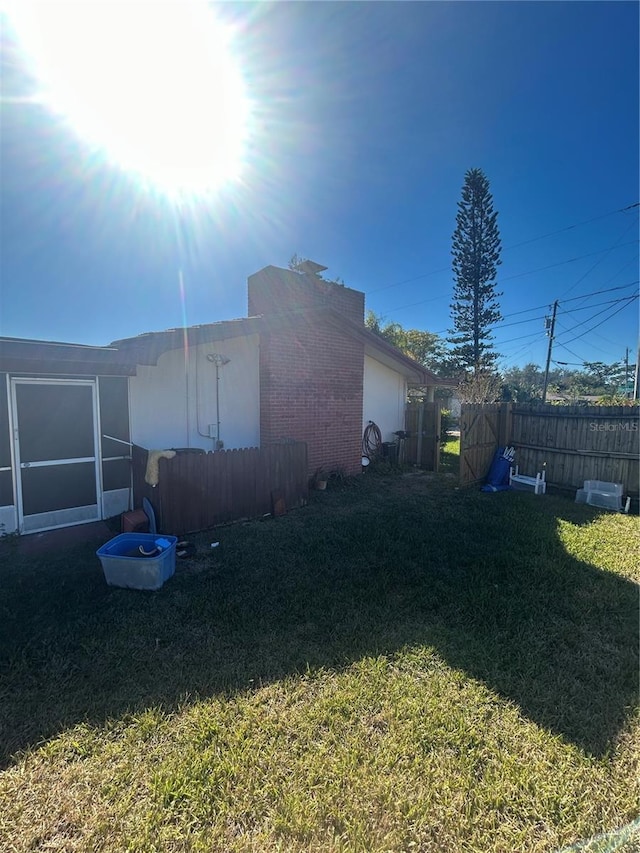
573, 443
199, 490
422, 422
483, 428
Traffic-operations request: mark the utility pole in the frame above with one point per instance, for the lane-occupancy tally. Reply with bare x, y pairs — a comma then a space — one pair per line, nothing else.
552, 329
626, 372
635, 377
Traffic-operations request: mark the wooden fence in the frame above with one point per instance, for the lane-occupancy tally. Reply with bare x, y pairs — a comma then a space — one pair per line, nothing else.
483, 428
573, 443
423, 423
197, 491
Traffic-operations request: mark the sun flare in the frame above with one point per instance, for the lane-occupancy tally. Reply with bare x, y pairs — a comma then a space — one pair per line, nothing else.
154, 86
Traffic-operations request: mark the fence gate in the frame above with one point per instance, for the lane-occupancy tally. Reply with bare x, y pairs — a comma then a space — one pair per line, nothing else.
422, 448
483, 427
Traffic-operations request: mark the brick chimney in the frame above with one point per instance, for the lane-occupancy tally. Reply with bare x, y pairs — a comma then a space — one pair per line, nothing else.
274, 291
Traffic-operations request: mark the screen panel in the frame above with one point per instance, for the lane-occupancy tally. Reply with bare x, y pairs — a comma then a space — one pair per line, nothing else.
53, 487
5, 435
116, 474
6, 488
55, 422
114, 414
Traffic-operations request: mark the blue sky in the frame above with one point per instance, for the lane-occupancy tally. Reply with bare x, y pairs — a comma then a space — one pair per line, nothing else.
367, 117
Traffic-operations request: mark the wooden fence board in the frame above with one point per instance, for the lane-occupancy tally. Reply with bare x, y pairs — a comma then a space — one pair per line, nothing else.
198, 491
573, 443
423, 423
481, 432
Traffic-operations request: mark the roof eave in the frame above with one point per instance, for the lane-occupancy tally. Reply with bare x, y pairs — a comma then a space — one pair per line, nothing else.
412, 370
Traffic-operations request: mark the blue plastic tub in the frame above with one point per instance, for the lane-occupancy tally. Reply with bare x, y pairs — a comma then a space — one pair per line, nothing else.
122, 568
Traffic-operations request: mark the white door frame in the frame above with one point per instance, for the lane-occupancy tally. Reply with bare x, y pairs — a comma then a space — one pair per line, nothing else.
96, 458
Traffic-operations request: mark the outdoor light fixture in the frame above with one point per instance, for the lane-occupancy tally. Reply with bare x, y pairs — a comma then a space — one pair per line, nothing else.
217, 359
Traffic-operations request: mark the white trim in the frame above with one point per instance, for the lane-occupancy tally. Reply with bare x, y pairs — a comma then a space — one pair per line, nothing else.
106, 513
12, 450
32, 380
62, 517
39, 522
46, 463
97, 439
115, 502
8, 520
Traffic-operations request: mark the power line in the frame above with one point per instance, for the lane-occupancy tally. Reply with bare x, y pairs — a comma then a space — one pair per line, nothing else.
570, 227
567, 348
591, 344
598, 313
572, 353
617, 311
410, 280
611, 278
591, 268
595, 305
520, 338
509, 248
422, 302
601, 337
570, 311
517, 322
573, 299
570, 260
627, 300
583, 308
598, 292
518, 351
512, 277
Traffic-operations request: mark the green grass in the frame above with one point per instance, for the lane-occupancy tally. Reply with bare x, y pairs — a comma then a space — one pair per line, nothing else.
399, 666
450, 455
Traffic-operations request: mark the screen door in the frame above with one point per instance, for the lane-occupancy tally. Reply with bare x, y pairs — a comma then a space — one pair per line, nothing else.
56, 456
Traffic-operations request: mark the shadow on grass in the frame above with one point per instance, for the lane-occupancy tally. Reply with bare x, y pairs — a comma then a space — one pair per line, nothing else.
484, 579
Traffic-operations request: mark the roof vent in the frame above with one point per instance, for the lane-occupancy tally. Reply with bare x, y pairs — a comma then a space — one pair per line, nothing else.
310, 267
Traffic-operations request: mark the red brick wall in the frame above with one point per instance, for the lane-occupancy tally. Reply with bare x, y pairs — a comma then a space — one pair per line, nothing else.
274, 290
311, 374
347, 302
311, 380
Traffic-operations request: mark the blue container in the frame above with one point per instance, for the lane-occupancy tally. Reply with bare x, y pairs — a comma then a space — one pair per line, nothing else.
122, 568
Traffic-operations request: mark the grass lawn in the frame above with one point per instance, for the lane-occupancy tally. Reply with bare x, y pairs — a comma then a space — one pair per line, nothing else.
399, 666
450, 455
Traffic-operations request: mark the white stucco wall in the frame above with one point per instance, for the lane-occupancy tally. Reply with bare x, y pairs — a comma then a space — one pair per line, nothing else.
384, 398
173, 404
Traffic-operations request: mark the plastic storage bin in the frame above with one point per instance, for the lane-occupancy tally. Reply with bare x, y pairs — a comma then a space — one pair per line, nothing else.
601, 494
122, 568
601, 486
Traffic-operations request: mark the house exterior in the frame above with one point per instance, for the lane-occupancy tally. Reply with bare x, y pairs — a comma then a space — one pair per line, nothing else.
58, 404
301, 367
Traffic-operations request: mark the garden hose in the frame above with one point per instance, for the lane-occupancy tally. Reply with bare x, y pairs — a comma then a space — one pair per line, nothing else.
371, 441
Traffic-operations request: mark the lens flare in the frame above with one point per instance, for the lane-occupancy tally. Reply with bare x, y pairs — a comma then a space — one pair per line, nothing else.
154, 86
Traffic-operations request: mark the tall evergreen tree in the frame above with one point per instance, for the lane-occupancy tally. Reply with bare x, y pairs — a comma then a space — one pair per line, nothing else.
476, 256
